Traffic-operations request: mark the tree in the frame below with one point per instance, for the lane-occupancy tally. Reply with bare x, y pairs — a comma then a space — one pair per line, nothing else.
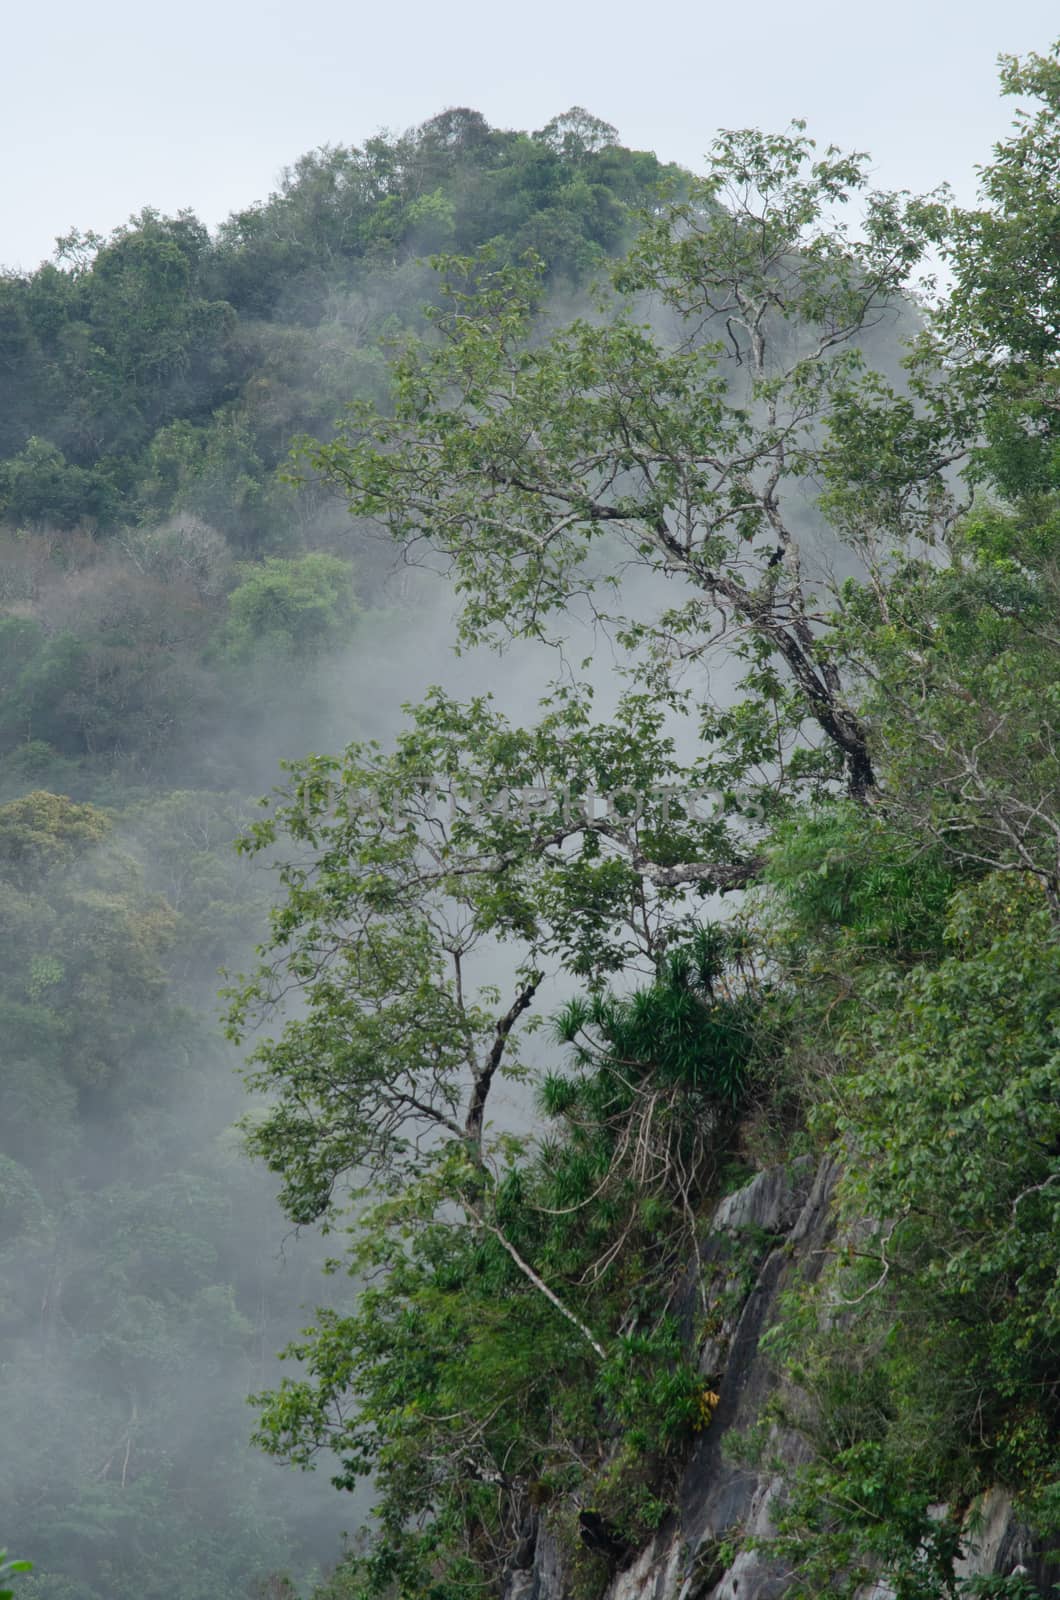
890, 773
481, 1394
1008, 340
542, 468
577, 133
961, 668
40, 487
300, 607
471, 831
536, 467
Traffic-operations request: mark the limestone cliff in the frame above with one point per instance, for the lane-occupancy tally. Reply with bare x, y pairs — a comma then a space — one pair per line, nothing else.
778, 1226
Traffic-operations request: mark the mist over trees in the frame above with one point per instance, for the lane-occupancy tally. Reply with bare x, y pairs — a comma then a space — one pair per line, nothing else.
816, 527
174, 619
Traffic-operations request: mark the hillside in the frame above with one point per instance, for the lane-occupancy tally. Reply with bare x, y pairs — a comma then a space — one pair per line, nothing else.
174, 619
651, 1027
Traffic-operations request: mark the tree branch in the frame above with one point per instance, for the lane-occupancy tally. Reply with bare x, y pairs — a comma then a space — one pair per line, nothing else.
539, 1283
719, 876
505, 1024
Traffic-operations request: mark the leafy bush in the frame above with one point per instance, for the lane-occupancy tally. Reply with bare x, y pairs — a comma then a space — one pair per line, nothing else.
300, 608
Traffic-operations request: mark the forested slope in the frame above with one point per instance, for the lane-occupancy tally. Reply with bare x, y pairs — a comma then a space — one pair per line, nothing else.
175, 619
791, 906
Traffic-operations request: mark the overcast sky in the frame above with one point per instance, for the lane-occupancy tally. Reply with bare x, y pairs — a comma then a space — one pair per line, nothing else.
111, 105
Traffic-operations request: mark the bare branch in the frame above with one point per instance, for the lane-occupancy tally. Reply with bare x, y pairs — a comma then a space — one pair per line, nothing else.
505, 1024
538, 1282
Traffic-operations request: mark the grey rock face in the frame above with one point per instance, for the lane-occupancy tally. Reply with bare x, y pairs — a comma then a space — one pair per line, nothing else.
747, 1259
777, 1226
1000, 1545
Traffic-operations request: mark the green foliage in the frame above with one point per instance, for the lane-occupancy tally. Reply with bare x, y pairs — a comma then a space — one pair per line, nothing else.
695, 1036
964, 668
8, 1569
930, 1379
965, 1169
151, 386
1009, 239
924, 935
912, 948
127, 370
456, 1383
536, 467
297, 608
886, 770
40, 487
860, 887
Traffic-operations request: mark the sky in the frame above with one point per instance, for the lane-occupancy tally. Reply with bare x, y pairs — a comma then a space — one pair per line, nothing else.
114, 105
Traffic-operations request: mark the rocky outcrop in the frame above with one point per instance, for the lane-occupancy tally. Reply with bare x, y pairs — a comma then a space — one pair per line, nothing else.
1000, 1544
777, 1226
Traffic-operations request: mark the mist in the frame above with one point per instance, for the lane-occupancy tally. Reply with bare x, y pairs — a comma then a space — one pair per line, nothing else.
176, 621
